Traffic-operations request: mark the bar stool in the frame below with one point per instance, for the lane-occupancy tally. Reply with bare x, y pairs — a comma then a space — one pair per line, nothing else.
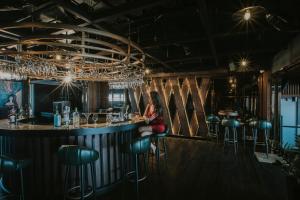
158, 138
78, 156
252, 123
140, 146
7, 165
264, 126
213, 122
231, 126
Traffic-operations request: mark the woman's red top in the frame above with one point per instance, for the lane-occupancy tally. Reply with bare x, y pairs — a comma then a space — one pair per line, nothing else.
156, 120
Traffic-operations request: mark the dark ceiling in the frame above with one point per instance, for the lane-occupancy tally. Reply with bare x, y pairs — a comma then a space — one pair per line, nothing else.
177, 35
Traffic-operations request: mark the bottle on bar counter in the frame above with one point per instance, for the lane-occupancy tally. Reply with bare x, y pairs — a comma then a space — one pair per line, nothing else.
66, 114
12, 117
57, 118
76, 118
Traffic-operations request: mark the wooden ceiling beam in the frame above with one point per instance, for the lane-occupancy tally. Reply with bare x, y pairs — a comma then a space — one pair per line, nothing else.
127, 8
69, 7
37, 10
205, 20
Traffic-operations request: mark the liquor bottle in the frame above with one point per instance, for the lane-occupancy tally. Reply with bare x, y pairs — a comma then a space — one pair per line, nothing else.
12, 116
76, 118
57, 118
30, 111
66, 118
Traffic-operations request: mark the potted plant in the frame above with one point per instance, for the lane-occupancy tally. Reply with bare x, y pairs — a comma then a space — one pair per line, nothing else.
292, 169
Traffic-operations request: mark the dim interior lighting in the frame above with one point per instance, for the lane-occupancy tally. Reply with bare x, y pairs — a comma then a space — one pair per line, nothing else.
244, 62
147, 71
247, 15
58, 57
68, 79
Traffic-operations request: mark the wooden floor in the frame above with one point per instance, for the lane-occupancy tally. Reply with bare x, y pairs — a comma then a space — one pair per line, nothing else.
200, 169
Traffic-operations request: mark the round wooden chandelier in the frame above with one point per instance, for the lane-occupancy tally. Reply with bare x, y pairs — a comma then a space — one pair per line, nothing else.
56, 51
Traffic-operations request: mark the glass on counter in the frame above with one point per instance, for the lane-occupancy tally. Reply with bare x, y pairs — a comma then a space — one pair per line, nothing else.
95, 117
109, 118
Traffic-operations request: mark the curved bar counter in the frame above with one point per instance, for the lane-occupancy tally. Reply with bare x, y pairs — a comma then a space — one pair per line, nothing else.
39, 143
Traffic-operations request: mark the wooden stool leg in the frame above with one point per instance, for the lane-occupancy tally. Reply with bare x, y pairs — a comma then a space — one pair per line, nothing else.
234, 140
157, 155
244, 135
22, 184
266, 143
81, 183
66, 181
254, 140
93, 174
136, 177
165, 151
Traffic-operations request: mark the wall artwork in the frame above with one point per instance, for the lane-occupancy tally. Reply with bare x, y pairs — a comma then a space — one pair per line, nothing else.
10, 96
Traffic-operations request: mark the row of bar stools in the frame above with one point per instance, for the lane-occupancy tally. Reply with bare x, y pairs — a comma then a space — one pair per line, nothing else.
230, 135
140, 146
213, 123
160, 138
7, 165
78, 156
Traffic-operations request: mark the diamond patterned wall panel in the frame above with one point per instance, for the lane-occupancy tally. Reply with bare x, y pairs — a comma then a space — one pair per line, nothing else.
183, 99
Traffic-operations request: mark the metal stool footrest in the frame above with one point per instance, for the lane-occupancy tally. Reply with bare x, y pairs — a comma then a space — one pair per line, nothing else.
131, 177
74, 192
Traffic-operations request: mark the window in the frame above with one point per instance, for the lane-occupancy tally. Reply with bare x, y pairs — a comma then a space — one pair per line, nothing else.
116, 97
290, 121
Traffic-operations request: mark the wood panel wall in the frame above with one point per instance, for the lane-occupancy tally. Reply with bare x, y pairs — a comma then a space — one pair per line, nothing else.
181, 87
97, 96
264, 95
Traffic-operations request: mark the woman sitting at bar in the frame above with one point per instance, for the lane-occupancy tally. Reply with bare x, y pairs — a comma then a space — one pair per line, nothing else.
154, 118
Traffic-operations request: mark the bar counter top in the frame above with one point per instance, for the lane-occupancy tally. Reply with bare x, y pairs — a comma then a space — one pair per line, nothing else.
84, 129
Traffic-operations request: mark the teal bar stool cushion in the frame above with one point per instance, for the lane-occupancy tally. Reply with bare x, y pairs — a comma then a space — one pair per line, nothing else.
139, 145
232, 123
213, 118
10, 164
77, 155
263, 124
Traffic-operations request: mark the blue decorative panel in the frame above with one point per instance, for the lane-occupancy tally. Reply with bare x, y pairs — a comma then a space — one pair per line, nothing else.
10, 95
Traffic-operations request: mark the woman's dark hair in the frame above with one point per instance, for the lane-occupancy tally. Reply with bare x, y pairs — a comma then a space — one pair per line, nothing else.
156, 102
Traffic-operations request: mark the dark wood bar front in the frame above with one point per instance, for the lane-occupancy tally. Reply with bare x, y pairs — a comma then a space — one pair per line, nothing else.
45, 175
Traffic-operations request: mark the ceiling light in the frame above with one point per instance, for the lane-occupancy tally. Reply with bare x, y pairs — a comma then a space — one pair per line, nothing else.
147, 71
261, 71
67, 79
244, 62
58, 57
247, 15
